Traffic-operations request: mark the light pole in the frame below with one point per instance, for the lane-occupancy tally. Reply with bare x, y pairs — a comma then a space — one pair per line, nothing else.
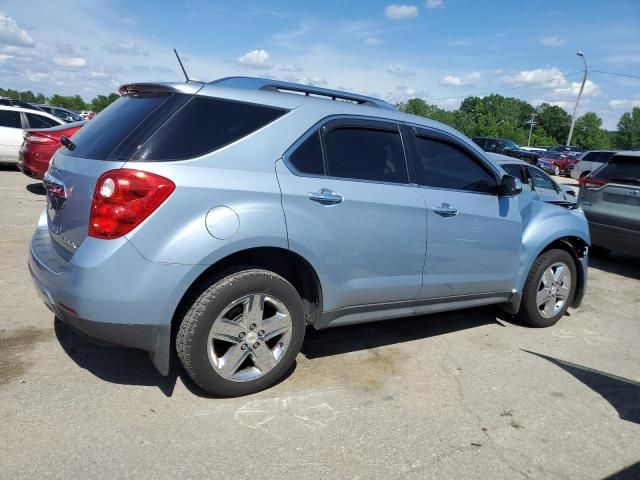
575, 109
531, 124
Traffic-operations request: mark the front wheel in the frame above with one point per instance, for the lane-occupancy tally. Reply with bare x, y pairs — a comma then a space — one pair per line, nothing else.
242, 334
549, 289
556, 170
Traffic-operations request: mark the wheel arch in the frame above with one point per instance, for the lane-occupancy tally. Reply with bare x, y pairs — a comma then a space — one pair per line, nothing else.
291, 266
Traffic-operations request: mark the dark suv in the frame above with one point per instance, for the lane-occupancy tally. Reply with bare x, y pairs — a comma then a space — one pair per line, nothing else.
506, 147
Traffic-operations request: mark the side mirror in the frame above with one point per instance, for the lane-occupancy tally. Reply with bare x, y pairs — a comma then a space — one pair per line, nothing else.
510, 186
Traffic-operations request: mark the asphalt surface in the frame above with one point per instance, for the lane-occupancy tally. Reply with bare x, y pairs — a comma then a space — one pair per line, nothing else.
468, 394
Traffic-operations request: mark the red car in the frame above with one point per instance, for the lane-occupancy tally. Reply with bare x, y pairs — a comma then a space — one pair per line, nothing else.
557, 163
40, 144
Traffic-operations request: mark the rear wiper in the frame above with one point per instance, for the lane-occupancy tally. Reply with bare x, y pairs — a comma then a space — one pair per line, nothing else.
64, 140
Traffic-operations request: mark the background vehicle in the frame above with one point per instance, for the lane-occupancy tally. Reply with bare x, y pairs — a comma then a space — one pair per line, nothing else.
87, 115
535, 180
62, 113
610, 198
12, 122
571, 149
238, 212
39, 146
557, 163
10, 102
506, 147
590, 161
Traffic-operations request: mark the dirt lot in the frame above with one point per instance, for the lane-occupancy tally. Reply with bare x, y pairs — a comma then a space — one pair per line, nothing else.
459, 395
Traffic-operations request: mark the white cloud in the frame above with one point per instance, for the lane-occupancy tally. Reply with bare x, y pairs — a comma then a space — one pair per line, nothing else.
124, 48
372, 41
400, 12
455, 81
400, 70
255, 59
12, 34
624, 104
552, 41
590, 90
546, 77
289, 67
70, 62
434, 4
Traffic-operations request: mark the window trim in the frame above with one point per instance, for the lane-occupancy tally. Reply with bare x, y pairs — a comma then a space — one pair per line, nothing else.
443, 137
333, 122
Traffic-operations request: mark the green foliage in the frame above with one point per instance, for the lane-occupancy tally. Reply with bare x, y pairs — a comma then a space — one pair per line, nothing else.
628, 135
505, 117
75, 102
101, 101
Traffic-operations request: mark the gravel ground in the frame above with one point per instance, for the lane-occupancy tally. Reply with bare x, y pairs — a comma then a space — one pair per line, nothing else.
468, 394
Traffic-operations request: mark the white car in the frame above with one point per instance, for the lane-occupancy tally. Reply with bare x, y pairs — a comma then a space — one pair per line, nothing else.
590, 161
13, 122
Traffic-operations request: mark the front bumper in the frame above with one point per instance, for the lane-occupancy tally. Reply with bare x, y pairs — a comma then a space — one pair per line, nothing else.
109, 292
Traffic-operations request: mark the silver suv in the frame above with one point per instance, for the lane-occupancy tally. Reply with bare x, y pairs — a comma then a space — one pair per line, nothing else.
229, 216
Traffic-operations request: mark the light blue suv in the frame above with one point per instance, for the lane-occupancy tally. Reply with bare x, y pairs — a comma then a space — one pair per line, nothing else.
226, 217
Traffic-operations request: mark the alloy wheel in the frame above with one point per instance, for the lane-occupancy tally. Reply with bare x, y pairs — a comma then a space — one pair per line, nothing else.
553, 290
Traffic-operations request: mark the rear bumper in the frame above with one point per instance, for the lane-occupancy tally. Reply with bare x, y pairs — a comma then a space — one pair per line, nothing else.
109, 292
31, 165
618, 239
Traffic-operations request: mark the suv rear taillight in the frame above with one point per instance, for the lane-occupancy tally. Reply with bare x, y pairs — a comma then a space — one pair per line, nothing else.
123, 199
591, 183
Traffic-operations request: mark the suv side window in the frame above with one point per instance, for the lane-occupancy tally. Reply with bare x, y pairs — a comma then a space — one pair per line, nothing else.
38, 121
444, 165
307, 158
541, 180
10, 119
365, 154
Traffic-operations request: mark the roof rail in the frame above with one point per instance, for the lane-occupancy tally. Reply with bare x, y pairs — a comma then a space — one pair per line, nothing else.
308, 90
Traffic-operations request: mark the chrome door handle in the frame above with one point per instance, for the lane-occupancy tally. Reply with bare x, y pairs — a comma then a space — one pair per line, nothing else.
326, 197
445, 210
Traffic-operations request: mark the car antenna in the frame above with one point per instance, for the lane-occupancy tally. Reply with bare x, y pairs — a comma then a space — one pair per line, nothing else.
181, 65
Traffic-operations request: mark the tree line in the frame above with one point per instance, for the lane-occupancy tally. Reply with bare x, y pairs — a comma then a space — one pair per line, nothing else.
507, 117
73, 102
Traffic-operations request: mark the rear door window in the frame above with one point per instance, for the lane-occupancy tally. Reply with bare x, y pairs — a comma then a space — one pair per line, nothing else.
39, 121
307, 158
10, 119
366, 154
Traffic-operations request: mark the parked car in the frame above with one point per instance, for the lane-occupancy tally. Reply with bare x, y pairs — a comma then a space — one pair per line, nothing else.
62, 113
236, 213
39, 146
610, 198
87, 114
10, 102
535, 180
506, 147
13, 120
590, 161
557, 163
570, 149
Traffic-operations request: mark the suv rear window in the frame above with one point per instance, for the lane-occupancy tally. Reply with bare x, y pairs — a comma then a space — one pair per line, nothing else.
620, 169
164, 127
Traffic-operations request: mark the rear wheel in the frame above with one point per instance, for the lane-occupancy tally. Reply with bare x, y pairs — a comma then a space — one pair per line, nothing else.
556, 170
549, 289
242, 334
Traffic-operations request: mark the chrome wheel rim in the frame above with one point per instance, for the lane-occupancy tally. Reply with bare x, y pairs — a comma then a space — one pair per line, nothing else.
553, 290
249, 338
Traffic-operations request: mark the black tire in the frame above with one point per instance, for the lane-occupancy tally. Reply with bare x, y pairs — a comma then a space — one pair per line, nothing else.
529, 312
192, 337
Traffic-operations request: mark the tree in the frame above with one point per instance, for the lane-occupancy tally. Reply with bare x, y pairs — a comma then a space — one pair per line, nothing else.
628, 135
101, 101
72, 103
555, 121
417, 106
588, 132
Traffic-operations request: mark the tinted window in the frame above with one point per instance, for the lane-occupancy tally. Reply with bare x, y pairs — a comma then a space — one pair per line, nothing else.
38, 121
481, 142
540, 179
205, 124
621, 170
446, 166
104, 133
307, 158
365, 154
10, 119
515, 171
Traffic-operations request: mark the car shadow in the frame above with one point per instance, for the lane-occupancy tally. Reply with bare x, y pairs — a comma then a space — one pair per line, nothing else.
9, 167
621, 393
632, 472
128, 366
618, 264
36, 188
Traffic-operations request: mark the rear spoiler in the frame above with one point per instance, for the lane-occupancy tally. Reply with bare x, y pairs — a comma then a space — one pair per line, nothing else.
137, 88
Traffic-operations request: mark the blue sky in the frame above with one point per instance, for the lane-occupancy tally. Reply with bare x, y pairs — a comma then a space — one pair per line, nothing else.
440, 50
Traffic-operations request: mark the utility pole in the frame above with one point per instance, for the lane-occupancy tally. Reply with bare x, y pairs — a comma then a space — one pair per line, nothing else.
531, 124
575, 109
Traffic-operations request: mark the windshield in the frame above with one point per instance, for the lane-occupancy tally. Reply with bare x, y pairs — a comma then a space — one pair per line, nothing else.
508, 144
